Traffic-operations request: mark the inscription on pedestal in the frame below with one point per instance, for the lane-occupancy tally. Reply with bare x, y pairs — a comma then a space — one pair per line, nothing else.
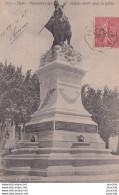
61, 125
39, 127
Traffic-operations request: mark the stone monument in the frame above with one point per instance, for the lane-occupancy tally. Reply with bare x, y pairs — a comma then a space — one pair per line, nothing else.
60, 74
67, 143
61, 108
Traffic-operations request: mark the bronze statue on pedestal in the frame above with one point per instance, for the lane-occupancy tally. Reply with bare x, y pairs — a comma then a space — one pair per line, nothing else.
59, 25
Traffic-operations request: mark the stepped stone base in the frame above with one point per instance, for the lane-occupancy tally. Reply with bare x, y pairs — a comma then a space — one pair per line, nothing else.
101, 178
65, 171
64, 157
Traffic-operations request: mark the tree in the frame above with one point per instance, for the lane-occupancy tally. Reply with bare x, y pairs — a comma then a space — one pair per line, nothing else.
103, 105
19, 94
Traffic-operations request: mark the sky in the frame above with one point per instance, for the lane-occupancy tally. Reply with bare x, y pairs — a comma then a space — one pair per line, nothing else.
102, 64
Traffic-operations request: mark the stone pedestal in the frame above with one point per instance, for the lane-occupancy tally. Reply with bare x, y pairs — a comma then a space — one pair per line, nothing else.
61, 106
61, 117
59, 122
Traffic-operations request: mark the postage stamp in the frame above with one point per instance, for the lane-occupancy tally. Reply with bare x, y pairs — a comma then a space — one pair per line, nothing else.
106, 32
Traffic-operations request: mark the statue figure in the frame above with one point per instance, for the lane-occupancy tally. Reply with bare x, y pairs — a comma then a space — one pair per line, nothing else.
59, 25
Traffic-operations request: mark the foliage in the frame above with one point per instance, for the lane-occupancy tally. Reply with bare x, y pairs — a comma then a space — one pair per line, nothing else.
48, 97
19, 94
65, 52
103, 105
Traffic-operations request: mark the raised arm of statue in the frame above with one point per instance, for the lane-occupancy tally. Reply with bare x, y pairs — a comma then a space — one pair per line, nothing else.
64, 4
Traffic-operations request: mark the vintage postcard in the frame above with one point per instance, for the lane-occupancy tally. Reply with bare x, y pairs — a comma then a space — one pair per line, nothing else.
59, 91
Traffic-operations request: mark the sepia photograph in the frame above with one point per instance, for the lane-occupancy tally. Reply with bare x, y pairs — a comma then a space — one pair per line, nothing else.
59, 91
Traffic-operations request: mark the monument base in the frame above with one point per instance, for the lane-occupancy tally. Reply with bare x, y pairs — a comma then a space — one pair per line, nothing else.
58, 153
61, 106
61, 110
58, 123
